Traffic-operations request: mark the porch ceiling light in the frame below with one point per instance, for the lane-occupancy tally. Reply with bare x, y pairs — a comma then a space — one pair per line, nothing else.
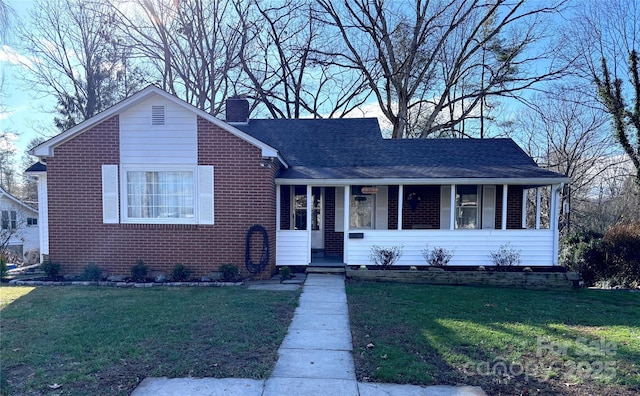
266, 162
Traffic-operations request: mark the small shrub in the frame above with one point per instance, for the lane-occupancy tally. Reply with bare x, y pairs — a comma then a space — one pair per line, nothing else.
506, 256
180, 273
285, 273
52, 270
385, 257
92, 272
437, 257
230, 272
139, 271
3, 266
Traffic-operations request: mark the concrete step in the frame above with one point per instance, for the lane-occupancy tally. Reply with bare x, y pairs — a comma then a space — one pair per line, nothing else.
325, 270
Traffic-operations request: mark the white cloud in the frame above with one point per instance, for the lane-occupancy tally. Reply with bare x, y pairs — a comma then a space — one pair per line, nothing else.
10, 55
372, 109
5, 114
7, 142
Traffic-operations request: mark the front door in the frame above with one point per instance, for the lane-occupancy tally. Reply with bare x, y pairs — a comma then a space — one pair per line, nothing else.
317, 218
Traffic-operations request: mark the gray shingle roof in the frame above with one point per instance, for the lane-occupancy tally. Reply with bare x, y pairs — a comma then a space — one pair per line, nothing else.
353, 148
37, 167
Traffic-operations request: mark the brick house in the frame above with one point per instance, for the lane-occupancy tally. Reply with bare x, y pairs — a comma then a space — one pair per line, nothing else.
156, 179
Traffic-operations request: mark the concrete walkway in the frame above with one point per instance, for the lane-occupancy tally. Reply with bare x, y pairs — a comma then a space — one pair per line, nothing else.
314, 358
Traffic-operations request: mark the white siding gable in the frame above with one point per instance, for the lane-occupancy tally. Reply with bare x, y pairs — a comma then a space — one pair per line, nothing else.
175, 142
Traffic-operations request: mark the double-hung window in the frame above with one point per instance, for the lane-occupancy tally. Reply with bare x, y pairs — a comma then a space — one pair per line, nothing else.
9, 219
160, 194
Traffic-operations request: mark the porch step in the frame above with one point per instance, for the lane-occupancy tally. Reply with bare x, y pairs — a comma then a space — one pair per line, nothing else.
325, 269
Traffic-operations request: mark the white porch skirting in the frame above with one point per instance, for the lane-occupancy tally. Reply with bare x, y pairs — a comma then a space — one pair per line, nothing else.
293, 247
470, 247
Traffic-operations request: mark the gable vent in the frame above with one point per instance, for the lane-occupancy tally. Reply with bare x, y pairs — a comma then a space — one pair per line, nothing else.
158, 115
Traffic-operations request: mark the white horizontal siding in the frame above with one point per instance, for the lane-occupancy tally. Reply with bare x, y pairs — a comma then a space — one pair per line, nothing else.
472, 247
292, 247
176, 142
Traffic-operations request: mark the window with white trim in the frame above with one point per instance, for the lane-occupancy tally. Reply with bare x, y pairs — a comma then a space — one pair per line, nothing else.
157, 194
467, 204
160, 194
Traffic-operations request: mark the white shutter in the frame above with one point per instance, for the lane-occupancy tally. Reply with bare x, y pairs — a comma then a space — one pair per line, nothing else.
382, 208
110, 202
205, 194
445, 207
489, 207
339, 220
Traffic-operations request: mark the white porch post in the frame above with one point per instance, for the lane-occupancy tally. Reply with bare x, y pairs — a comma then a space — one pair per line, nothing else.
524, 207
505, 188
309, 224
278, 209
400, 199
538, 209
347, 196
43, 217
452, 205
553, 219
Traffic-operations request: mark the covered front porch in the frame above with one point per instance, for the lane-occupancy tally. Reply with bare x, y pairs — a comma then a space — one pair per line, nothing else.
325, 221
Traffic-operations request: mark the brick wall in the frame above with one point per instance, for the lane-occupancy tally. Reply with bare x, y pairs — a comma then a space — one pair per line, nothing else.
333, 241
244, 194
427, 212
514, 207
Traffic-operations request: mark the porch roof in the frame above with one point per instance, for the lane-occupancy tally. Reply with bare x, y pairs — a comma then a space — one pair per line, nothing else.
353, 149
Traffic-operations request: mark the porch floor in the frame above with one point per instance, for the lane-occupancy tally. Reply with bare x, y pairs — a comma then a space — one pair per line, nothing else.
327, 261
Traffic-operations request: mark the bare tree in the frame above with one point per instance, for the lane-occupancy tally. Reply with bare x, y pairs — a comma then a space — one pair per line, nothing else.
192, 46
430, 57
29, 188
5, 22
281, 58
75, 56
566, 134
606, 40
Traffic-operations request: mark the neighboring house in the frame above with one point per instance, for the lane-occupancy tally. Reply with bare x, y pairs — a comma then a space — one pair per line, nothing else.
18, 227
156, 179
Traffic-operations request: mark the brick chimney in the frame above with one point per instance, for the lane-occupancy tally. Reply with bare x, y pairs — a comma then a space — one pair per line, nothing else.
237, 110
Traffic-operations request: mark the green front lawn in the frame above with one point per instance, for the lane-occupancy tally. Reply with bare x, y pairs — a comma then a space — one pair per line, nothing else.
507, 341
97, 340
